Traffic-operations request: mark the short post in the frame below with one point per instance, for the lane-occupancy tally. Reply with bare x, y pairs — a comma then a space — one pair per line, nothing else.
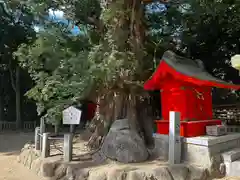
42, 130
37, 138
174, 155
67, 147
45, 145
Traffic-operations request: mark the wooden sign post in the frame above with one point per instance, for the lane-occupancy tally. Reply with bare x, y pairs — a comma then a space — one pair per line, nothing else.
174, 155
71, 116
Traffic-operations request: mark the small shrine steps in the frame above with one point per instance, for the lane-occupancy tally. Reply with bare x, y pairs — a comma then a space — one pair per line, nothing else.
232, 161
221, 155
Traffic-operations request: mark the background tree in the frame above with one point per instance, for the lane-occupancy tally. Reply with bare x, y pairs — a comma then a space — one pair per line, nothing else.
210, 32
15, 29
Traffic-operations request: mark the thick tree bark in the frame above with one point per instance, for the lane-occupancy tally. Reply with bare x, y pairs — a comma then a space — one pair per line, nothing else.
127, 33
102, 121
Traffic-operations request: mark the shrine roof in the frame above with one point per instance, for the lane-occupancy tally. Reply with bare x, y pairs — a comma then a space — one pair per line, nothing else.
186, 70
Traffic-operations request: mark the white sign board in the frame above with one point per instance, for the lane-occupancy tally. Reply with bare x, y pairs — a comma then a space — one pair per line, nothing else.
71, 115
174, 138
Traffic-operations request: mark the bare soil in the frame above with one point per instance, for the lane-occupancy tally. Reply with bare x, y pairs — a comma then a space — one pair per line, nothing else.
229, 178
10, 146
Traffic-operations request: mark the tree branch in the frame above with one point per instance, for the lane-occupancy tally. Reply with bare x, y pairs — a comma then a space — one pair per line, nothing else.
163, 1
152, 1
92, 21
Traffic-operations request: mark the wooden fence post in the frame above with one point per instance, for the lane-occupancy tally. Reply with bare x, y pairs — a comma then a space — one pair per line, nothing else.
45, 145
37, 138
67, 147
174, 155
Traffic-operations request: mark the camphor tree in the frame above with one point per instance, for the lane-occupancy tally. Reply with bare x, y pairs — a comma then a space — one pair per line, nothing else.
120, 58
124, 66
106, 63
109, 61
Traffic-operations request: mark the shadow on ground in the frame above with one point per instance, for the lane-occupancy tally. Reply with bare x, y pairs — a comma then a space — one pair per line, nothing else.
13, 142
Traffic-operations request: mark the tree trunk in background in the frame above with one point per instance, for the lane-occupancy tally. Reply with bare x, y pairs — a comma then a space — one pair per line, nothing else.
1, 110
1, 101
18, 99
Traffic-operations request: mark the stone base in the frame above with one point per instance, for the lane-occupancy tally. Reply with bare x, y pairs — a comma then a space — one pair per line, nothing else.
204, 151
55, 169
187, 128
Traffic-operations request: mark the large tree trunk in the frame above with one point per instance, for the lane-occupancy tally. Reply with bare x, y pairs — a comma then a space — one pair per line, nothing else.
127, 32
102, 121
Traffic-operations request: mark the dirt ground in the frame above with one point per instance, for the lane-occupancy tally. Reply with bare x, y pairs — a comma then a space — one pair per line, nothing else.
10, 146
229, 178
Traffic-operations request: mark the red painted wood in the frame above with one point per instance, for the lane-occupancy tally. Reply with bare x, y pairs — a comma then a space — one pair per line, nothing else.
164, 74
188, 95
187, 129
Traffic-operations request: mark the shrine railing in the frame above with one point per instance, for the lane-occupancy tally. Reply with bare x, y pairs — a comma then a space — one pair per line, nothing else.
229, 114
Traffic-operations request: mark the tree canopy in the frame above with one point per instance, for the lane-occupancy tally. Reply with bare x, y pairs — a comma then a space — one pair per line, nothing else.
119, 47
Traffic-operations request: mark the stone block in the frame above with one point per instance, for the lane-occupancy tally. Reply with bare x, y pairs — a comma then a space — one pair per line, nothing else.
197, 173
217, 130
124, 145
234, 169
47, 169
116, 174
161, 148
179, 171
97, 175
231, 155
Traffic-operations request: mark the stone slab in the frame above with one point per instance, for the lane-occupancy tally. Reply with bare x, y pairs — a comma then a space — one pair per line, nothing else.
198, 150
231, 155
54, 168
234, 169
212, 140
217, 130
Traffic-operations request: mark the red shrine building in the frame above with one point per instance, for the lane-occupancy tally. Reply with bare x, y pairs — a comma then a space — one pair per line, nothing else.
185, 87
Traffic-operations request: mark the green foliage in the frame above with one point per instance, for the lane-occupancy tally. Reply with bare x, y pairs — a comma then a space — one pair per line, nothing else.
15, 29
66, 68
59, 71
211, 33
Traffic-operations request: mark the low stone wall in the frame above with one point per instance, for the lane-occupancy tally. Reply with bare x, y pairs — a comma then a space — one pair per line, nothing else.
56, 169
205, 151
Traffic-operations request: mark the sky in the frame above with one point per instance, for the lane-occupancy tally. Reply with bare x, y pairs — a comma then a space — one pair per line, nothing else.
58, 16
